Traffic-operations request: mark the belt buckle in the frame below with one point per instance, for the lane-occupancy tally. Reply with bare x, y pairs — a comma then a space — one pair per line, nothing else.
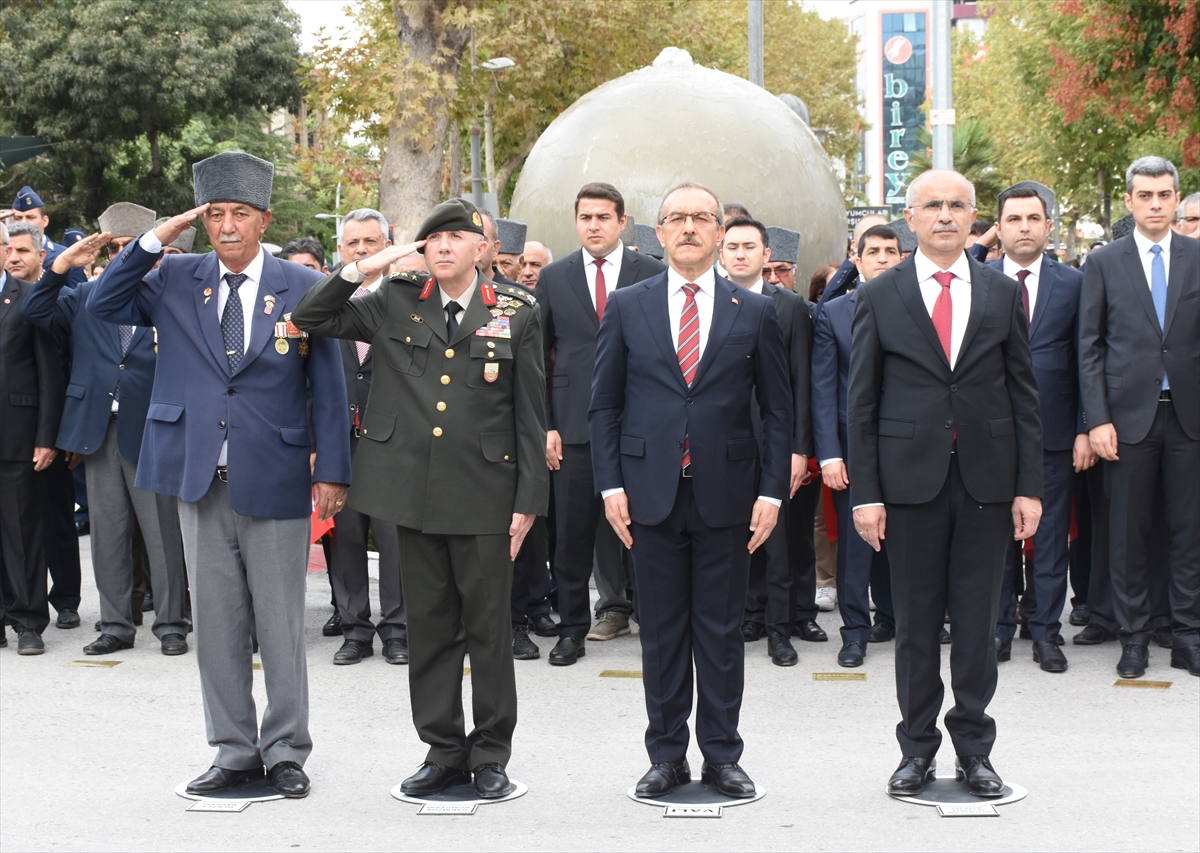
222, 473
1164, 396
686, 471
112, 417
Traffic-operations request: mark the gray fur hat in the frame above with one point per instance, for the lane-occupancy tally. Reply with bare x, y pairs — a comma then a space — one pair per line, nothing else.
184, 241
629, 232
785, 244
647, 241
1123, 226
908, 240
126, 219
511, 235
234, 176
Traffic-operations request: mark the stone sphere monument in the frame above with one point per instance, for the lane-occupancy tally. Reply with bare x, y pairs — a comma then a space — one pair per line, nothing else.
676, 121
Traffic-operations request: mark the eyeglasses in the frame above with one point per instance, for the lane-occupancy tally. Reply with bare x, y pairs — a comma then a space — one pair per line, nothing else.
933, 208
1190, 220
777, 272
703, 217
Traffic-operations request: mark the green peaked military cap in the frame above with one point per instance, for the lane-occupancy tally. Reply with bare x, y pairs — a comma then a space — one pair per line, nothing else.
457, 214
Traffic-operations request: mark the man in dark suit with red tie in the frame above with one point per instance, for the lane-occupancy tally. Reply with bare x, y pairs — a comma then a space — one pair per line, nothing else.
678, 465
1139, 351
1050, 298
946, 463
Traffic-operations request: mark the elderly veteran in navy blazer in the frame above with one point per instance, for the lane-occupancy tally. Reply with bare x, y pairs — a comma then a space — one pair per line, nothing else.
1050, 297
107, 397
228, 431
676, 460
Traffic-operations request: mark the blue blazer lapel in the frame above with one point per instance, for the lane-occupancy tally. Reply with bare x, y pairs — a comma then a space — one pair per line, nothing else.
1175, 281
262, 324
206, 308
1048, 278
725, 311
909, 291
658, 317
1137, 280
577, 279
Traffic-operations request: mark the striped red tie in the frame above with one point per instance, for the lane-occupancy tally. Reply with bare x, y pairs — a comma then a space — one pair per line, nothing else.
362, 347
688, 350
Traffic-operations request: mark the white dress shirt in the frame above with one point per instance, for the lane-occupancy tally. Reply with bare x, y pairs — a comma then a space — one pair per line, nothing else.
612, 270
1011, 268
463, 301
1147, 257
960, 296
676, 297
757, 287
247, 293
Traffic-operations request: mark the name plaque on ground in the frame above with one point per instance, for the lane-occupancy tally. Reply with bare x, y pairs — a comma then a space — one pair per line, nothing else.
968, 811
839, 676
621, 673
1144, 685
218, 806
691, 811
448, 808
106, 664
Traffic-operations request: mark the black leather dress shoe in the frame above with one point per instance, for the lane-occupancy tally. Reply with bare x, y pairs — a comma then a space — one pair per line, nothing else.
753, 631
174, 644
1003, 651
780, 650
661, 779
567, 650
1080, 615
491, 782
852, 654
30, 643
432, 778
1058, 640
395, 650
1093, 635
67, 618
977, 772
1187, 658
523, 647
730, 779
1162, 637
944, 637
543, 625
809, 631
1023, 632
882, 632
219, 778
1050, 656
912, 776
353, 651
288, 778
147, 603
106, 644
333, 626
1133, 662
3, 637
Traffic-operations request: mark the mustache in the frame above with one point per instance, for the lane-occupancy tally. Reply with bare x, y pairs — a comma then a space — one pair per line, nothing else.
229, 239
687, 241
949, 226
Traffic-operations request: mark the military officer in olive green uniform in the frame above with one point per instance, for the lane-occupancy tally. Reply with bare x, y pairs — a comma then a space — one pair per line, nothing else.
452, 451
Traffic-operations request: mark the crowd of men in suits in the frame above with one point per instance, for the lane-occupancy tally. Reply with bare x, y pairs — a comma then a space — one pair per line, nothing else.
990, 432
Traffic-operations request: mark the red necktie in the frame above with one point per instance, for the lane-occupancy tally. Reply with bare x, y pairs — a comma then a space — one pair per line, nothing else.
1021, 276
601, 290
362, 347
943, 311
688, 350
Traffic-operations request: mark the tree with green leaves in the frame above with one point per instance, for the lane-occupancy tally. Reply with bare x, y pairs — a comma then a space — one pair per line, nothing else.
975, 157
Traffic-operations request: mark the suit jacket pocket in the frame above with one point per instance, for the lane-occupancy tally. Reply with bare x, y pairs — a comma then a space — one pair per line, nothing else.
1112, 381
897, 429
76, 391
632, 445
561, 380
408, 349
378, 426
1002, 427
498, 446
23, 399
743, 448
739, 340
1188, 296
297, 436
168, 412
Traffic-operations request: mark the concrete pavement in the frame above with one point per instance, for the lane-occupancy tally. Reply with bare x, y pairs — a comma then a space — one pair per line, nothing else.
89, 757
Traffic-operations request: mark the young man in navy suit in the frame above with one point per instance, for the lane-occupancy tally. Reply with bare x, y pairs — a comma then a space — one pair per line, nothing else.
1050, 297
229, 431
676, 460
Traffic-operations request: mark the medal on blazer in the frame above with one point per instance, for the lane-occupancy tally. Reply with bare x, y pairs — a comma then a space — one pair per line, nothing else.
207, 294
491, 371
268, 303
281, 346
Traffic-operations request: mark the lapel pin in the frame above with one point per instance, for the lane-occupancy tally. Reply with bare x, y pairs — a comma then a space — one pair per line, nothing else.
268, 303
735, 302
207, 294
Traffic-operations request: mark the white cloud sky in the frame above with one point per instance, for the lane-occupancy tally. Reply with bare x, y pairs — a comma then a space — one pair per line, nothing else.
315, 14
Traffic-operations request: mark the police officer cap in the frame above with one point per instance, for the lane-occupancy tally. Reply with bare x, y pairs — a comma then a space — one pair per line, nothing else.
908, 240
511, 235
72, 236
125, 219
184, 241
457, 214
27, 200
234, 176
647, 241
785, 244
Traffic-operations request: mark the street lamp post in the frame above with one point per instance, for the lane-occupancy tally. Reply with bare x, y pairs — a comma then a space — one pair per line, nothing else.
943, 112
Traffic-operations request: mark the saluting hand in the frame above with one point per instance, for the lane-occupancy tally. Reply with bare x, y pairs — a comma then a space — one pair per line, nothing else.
80, 253
381, 261
170, 230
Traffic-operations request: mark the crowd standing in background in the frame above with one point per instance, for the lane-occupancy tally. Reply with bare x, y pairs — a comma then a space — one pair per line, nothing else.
952, 437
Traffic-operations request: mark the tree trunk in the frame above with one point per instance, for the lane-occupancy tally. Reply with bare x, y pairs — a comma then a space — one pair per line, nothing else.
1069, 240
515, 160
156, 168
410, 174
